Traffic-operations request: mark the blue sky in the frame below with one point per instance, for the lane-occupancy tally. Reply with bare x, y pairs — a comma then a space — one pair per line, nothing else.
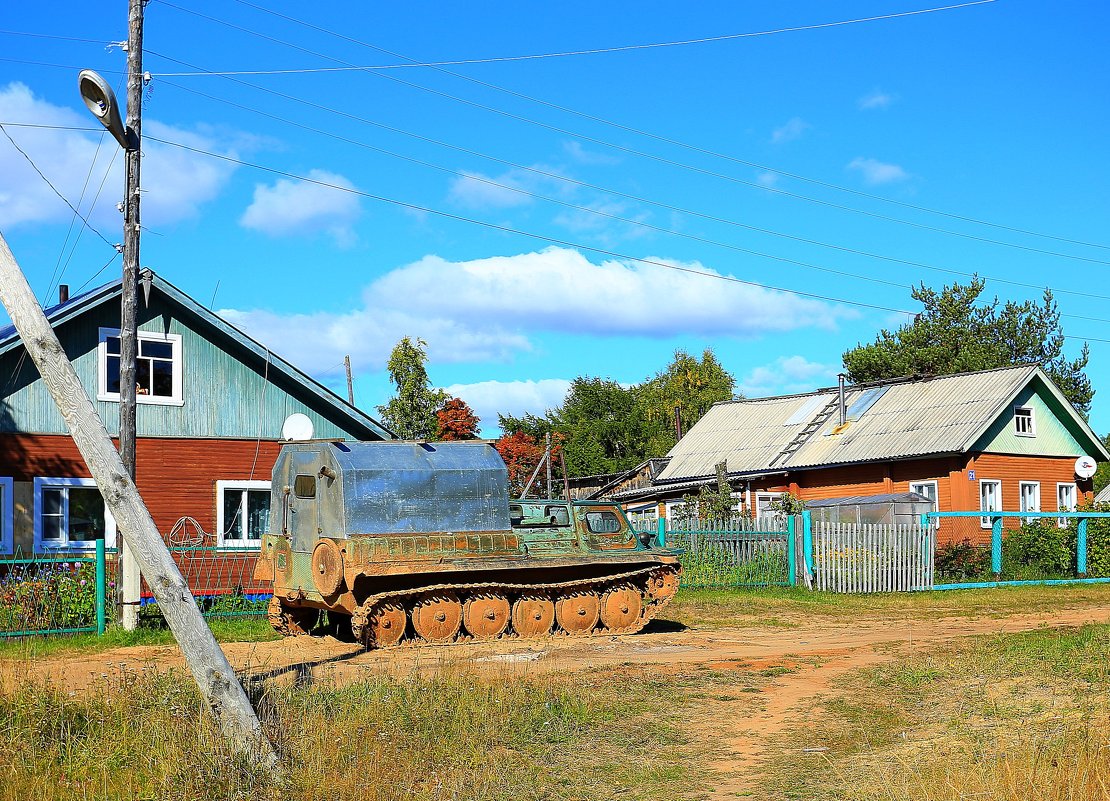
896, 148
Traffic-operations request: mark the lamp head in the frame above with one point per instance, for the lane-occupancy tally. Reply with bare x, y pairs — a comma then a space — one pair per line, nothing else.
101, 100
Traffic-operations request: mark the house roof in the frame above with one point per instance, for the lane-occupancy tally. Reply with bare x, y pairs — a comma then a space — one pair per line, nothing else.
79, 304
900, 419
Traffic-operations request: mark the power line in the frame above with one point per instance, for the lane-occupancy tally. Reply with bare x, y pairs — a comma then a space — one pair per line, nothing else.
629, 150
575, 182
54, 36
590, 52
50, 127
669, 140
519, 232
546, 198
54, 188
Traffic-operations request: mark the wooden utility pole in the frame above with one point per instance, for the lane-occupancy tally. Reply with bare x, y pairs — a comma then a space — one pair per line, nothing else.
214, 675
350, 381
129, 311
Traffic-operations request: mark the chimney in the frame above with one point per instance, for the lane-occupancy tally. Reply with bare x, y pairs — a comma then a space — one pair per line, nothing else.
63, 293
843, 408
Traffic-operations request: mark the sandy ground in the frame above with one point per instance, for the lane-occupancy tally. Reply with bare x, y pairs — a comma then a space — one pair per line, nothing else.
816, 655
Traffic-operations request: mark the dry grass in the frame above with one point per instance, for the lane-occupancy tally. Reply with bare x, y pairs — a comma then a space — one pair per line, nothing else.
454, 735
1021, 716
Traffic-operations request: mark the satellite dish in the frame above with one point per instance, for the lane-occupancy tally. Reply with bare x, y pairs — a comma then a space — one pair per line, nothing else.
101, 100
296, 428
1085, 466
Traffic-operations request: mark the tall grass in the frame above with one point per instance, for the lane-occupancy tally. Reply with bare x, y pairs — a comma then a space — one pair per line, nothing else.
454, 735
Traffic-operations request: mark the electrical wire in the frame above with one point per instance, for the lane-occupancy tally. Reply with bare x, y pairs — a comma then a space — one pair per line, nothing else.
617, 193
54, 36
593, 51
54, 188
629, 150
519, 232
666, 139
73, 219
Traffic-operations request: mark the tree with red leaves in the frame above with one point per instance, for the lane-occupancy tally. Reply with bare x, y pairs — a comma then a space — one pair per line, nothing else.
456, 421
522, 453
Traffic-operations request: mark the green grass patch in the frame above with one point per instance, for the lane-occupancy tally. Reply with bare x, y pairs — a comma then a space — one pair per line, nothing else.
1008, 717
792, 606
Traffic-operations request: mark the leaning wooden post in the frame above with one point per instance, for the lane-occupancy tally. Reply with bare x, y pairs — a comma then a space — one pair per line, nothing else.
214, 675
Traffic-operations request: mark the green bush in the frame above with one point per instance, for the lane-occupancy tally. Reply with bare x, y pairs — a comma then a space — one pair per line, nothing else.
962, 561
1038, 550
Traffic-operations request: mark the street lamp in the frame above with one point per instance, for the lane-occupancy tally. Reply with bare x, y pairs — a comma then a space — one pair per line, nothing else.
101, 101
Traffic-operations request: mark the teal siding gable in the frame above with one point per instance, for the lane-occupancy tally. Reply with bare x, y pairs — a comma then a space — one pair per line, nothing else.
1054, 434
228, 390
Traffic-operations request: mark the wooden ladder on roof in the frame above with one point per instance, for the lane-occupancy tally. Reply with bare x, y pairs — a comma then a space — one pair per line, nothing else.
807, 431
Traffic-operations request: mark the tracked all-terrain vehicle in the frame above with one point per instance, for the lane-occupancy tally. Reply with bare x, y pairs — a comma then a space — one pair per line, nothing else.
421, 542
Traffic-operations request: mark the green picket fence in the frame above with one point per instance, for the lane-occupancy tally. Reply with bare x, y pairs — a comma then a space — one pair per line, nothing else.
54, 593
738, 552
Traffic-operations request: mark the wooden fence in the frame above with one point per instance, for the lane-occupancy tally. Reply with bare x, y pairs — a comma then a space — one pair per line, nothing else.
859, 557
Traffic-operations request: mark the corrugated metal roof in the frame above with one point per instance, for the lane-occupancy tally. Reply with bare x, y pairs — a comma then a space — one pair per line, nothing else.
914, 417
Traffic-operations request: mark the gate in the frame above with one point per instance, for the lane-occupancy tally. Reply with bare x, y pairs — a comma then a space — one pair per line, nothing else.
864, 557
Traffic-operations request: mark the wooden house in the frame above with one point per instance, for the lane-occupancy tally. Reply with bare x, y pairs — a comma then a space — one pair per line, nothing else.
211, 405
1005, 440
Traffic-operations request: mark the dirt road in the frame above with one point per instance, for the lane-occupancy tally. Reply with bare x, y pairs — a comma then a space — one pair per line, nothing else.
816, 653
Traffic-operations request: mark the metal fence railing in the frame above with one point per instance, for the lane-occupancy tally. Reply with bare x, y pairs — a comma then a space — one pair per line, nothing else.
49, 593
221, 579
739, 552
1021, 548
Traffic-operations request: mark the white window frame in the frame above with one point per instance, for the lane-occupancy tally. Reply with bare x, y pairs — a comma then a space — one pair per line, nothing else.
935, 497
7, 515
763, 501
66, 544
1021, 498
1062, 522
174, 340
222, 524
986, 522
1032, 432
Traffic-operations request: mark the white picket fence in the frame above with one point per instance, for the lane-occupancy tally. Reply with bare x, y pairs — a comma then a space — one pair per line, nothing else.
862, 557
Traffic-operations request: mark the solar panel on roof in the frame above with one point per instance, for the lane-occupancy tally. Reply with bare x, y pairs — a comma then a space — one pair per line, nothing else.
866, 399
805, 412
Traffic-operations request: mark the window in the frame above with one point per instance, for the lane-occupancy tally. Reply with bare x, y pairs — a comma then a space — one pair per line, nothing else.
1065, 502
1024, 423
557, 515
990, 500
70, 514
929, 490
603, 522
7, 515
763, 501
1030, 498
304, 486
242, 513
157, 368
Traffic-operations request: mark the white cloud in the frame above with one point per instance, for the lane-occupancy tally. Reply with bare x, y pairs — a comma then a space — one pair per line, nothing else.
876, 172
596, 220
516, 398
794, 128
486, 309
767, 178
583, 156
295, 207
175, 182
787, 375
479, 191
876, 98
